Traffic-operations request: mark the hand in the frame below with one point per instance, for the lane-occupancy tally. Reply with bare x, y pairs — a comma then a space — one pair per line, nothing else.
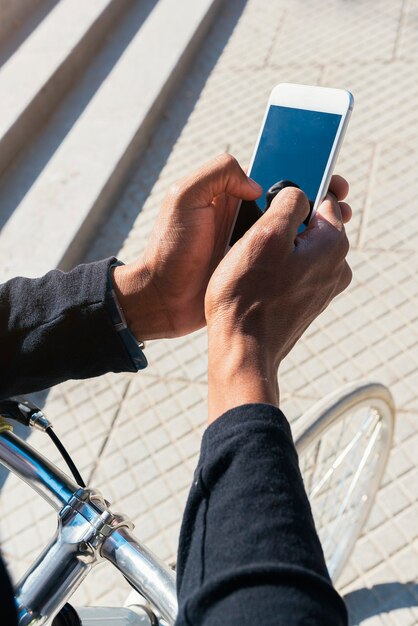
268, 289
162, 294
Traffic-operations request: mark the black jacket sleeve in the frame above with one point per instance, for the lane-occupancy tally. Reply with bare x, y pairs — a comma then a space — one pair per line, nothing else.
249, 553
52, 329
57, 327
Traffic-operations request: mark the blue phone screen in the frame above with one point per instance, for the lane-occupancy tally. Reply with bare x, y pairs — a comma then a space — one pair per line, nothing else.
294, 147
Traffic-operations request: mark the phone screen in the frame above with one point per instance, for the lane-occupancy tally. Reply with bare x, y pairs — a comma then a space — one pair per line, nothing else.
294, 148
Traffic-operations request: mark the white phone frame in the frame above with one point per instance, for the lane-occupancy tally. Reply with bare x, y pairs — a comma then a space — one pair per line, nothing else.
310, 98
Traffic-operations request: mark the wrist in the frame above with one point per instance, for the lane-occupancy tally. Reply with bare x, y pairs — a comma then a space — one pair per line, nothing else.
141, 307
239, 373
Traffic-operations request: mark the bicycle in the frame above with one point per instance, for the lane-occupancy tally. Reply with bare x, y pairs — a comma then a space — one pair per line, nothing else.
341, 481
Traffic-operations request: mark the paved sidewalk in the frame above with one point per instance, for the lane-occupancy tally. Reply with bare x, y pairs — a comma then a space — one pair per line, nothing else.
137, 436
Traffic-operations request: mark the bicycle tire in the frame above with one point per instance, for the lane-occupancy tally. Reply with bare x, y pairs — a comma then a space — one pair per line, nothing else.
343, 443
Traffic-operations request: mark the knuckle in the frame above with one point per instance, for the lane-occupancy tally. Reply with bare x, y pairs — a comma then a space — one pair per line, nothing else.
298, 195
295, 197
226, 160
258, 236
176, 189
264, 232
336, 242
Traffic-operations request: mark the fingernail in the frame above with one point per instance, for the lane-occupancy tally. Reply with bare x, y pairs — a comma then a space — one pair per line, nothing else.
254, 185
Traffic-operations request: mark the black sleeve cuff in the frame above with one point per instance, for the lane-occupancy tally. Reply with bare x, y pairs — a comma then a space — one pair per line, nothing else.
56, 328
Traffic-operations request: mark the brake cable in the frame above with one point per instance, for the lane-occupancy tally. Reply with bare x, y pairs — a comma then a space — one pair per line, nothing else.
22, 410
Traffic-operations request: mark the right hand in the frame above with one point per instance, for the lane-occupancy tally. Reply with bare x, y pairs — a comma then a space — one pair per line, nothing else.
268, 289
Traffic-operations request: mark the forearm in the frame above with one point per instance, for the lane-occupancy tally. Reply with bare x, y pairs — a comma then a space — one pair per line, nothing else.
57, 327
249, 552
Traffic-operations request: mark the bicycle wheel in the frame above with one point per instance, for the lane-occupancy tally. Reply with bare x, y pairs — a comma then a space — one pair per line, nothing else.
343, 444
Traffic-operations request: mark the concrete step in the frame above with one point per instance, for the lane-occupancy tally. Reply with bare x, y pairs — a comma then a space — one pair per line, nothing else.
18, 179
56, 218
13, 13
43, 68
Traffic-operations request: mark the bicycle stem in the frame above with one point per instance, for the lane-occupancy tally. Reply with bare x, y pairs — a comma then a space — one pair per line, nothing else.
87, 533
59, 569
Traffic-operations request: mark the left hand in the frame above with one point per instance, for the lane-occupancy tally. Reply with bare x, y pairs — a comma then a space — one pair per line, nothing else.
162, 294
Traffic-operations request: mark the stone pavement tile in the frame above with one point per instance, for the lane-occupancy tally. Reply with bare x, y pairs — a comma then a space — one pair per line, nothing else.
408, 37
384, 596
84, 415
184, 358
251, 43
394, 498
385, 558
406, 426
335, 32
384, 99
27, 523
401, 460
391, 604
230, 111
405, 566
105, 586
293, 406
153, 451
355, 163
390, 220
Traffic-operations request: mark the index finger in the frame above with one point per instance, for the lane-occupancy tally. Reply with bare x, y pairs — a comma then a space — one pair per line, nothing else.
326, 232
339, 187
221, 175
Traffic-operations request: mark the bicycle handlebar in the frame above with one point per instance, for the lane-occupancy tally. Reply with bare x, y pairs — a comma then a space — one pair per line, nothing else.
147, 573
87, 532
35, 470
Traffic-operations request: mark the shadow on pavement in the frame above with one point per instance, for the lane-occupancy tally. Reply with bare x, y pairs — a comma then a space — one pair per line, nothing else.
384, 598
24, 27
16, 181
111, 235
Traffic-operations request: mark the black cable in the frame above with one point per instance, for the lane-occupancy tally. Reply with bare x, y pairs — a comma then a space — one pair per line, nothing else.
66, 457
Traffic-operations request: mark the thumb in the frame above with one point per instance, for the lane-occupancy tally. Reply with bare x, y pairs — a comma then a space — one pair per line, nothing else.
287, 212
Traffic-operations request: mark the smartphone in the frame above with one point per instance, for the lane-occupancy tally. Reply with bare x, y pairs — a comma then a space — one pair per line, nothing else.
298, 144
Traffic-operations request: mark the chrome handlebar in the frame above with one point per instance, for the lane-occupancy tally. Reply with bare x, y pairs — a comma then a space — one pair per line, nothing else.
87, 532
35, 470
